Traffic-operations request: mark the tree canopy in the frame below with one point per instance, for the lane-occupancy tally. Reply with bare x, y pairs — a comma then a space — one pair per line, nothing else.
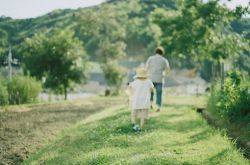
189, 29
200, 30
58, 56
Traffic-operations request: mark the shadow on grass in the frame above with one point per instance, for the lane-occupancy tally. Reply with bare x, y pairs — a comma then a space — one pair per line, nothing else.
217, 158
205, 134
159, 160
178, 106
163, 123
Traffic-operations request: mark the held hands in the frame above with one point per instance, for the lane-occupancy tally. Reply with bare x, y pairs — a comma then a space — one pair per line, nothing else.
166, 72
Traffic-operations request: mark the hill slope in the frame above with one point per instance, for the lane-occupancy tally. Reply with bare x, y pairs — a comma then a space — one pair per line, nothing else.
139, 33
15, 31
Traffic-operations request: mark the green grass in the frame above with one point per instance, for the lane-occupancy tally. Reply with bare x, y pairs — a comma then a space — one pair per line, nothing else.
177, 135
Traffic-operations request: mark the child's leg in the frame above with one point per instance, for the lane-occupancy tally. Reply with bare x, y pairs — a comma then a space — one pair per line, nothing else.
151, 99
133, 117
144, 115
142, 122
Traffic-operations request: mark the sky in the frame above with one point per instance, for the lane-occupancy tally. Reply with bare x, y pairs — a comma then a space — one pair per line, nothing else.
234, 3
33, 8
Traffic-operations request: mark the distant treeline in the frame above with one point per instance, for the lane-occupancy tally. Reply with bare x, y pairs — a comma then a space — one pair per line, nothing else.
133, 16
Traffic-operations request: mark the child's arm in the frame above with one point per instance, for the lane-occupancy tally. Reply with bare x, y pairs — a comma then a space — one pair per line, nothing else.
129, 90
151, 86
167, 68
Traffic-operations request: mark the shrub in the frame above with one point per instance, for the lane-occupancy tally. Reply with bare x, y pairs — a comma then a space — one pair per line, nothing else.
23, 90
114, 76
234, 101
232, 104
3, 92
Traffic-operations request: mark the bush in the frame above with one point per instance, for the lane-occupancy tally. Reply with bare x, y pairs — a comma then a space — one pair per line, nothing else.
114, 76
233, 103
3, 93
23, 90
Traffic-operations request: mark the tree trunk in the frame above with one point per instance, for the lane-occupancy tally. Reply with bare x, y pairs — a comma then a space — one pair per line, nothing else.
213, 77
222, 76
215, 73
218, 72
65, 92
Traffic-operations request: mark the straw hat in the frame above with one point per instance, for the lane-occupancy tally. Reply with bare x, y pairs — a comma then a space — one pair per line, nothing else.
141, 72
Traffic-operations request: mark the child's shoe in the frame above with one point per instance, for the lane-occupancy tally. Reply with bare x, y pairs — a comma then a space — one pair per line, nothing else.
151, 105
136, 128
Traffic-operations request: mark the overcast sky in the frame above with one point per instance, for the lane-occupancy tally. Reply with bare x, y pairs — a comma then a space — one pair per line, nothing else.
234, 3
34, 8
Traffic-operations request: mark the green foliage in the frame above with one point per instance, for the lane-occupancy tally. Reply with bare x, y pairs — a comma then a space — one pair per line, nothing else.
200, 30
190, 29
235, 77
233, 103
114, 75
243, 62
56, 55
23, 90
3, 92
131, 15
3, 96
140, 35
103, 27
109, 33
242, 26
111, 51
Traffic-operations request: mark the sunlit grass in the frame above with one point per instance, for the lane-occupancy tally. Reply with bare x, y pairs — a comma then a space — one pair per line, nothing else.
26, 128
177, 135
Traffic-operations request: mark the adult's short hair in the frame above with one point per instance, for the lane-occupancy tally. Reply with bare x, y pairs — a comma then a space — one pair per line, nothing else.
159, 50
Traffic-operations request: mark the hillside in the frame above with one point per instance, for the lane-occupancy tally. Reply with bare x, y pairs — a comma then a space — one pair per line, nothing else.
15, 31
139, 34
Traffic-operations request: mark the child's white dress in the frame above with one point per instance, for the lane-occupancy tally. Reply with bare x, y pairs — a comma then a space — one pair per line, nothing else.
141, 90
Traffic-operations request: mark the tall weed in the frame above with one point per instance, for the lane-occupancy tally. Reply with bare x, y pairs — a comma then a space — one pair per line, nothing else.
23, 90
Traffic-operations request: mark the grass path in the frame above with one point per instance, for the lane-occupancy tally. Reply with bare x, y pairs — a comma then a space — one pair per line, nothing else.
175, 136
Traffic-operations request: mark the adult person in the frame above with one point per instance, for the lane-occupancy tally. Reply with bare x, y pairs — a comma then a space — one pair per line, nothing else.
157, 66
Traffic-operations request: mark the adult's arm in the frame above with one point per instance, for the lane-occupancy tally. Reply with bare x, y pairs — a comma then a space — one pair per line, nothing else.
148, 62
167, 68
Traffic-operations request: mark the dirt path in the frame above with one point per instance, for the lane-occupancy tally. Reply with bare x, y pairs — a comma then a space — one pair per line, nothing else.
25, 129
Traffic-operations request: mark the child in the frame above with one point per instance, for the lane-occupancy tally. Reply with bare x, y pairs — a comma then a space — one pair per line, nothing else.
140, 90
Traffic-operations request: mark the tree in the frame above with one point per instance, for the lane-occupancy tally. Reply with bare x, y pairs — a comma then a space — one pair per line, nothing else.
114, 75
242, 26
107, 33
56, 55
198, 31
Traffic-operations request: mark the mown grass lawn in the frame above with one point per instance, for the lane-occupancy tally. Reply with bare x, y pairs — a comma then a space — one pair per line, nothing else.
175, 136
